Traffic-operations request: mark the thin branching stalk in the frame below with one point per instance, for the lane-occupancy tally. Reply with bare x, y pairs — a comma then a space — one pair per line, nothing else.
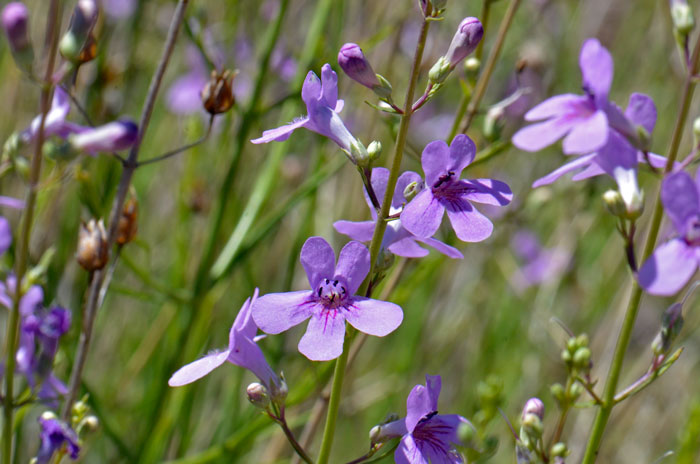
22, 257
380, 228
623, 339
122, 191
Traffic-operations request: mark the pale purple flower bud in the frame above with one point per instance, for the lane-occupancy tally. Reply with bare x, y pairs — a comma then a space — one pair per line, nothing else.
353, 62
114, 136
465, 40
81, 24
534, 406
15, 19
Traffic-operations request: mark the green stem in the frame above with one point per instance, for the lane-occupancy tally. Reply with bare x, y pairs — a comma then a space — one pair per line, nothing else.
603, 415
377, 237
485, 77
52, 28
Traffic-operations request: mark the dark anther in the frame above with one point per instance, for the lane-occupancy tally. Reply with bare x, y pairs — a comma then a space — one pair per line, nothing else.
335, 283
327, 281
427, 417
319, 291
443, 178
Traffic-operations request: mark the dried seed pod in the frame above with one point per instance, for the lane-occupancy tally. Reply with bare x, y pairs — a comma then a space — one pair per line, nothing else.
92, 252
128, 221
217, 94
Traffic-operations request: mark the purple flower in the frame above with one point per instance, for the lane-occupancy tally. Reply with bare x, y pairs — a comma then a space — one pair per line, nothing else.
540, 265
54, 435
397, 239
353, 62
426, 436
582, 119
444, 190
330, 302
55, 123
15, 21
113, 136
242, 351
183, 96
672, 264
323, 106
465, 40
5, 235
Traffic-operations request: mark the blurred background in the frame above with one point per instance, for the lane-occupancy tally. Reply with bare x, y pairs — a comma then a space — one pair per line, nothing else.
484, 323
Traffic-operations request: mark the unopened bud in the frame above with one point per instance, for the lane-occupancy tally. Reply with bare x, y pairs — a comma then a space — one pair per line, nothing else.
575, 391
257, 395
81, 24
359, 154
91, 423
411, 190
111, 137
493, 123
354, 64
440, 70
682, 16
15, 21
466, 433
279, 390
128, 221
217, 94
557, 391
472, 65
465, 40
582, 358
671, 325
374, 150
614, 203
92, 246
559, 450
534, 406
48, 415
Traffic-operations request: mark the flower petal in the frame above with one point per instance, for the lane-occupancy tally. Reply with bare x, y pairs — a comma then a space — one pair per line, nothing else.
311, 89
360, 231
617, 153
408, 452
408, 248
380, 177
435, 160
374, 317
641, 111
445, 249
579, 162
244, 324
277, 312
488, 191
282, 133
537, 136
5, 235
596, 65
318, 259
556, 106
324, 336
587, 135
462, 153
668, 269
197, 369
679, 194
329, 85
422, 215
404, 180
353, 265
469, 224
420, 403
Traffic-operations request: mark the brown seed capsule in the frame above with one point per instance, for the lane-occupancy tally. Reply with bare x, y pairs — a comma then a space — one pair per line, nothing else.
89, 51
92, 251
128, 222
217, 94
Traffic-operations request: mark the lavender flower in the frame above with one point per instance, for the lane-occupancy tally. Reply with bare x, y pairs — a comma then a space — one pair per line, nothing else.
444, 190
55, 123
54, 435
113, 136
242, 351
583, 118
323, 106
426, 436
353, 62
183, 97
397, 239
15, 22
330, 302
5, 235
465, 40
540, 264
672, 264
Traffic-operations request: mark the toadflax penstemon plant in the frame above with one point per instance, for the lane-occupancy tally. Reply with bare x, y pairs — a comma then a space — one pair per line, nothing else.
105, 350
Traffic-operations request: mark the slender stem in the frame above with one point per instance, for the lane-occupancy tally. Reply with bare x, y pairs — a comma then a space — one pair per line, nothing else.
282, 421
380, 228
52, 28
177, 151
603, 415
485, 77
563, 415
589, 388
118, 205
654, 372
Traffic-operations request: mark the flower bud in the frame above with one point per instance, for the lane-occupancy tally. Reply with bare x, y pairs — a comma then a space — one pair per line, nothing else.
359, 154
217, 94
92, 246
411, 190
465, 40
582, 358
279, 390
671, 325
91, 423
15, 21
575, 391
374, 150
466, 433
354, 64
257, 395
128, 221
493, 123
682, 16
557, 391
472, 65
559, 450
114, 136
81, 24
614, 204
534, 406
440, 70
383, 90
